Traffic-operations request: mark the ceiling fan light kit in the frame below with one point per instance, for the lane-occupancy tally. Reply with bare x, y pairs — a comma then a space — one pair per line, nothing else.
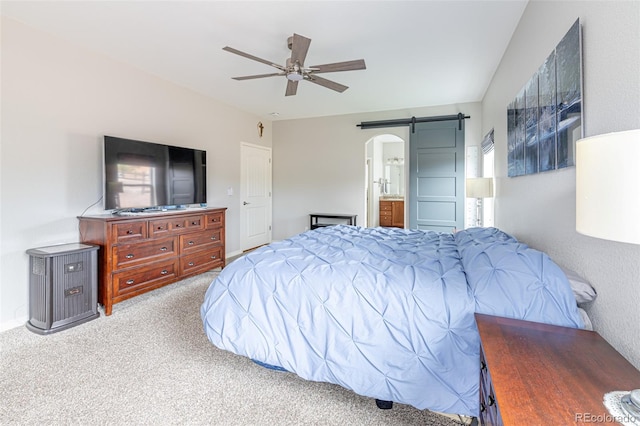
295, 76
294, 70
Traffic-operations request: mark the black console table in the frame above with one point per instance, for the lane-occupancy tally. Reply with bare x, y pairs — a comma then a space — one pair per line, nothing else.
314, 221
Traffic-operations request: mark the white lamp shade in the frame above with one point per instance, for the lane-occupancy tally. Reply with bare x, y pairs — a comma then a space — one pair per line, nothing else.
479, 187
608, 186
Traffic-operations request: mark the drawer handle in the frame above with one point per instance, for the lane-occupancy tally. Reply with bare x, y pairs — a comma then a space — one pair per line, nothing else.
129, 256
178, 225
164, 272
159, 228
213, 257
191, 263
213, 238
190, 243
163, 249
492, 400
129, 232
130, 282
195, 222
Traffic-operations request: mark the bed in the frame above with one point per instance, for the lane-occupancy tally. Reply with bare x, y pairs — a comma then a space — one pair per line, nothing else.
385, 312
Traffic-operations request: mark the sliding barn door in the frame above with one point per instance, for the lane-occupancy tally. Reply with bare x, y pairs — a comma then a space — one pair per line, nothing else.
436, 189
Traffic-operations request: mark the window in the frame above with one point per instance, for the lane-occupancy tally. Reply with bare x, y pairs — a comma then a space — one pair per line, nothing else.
488, 171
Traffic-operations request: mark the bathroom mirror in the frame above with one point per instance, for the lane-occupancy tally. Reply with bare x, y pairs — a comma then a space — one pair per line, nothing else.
394, 177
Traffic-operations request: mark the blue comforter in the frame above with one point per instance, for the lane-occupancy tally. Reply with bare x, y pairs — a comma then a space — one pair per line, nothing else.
385, 312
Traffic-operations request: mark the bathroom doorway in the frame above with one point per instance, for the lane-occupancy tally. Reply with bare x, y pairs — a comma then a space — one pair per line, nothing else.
386, 181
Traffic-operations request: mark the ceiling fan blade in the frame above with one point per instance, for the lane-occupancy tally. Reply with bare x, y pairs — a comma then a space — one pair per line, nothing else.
339, 66
255, 58
292, 88
299, 49
326, 83
250, 77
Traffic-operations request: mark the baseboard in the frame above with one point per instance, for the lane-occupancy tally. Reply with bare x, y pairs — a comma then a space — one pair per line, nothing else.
14, 323
233, 253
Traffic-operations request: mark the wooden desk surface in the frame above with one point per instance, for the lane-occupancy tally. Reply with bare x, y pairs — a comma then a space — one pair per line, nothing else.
549, 375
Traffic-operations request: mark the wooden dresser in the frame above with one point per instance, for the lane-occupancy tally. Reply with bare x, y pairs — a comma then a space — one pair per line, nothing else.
141, 253
539, 374
392, 213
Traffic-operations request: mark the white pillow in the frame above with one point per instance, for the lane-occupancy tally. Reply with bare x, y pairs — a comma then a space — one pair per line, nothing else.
582, 289
585, 318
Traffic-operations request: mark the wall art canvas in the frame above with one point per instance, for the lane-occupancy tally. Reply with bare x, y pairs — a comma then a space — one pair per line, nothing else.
545, 119
547, 114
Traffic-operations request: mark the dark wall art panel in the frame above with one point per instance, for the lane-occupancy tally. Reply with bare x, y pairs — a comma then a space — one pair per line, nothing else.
545, 119
547, 111
520, 134
531, 127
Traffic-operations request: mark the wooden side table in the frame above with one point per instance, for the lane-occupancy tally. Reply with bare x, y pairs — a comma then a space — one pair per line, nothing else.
539, 374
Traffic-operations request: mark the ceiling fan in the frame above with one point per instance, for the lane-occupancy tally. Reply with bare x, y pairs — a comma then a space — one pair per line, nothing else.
294, 69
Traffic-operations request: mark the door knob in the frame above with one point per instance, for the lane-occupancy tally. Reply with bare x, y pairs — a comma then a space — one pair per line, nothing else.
244, 203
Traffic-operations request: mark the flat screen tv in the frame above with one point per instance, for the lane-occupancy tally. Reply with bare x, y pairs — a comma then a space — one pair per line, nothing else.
145, 176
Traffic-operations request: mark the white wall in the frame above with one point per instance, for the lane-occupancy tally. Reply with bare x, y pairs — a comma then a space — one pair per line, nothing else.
540, 209
58, 100
319, 163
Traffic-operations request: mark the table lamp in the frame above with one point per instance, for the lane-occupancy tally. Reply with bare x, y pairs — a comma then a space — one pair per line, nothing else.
608, 207
479, 188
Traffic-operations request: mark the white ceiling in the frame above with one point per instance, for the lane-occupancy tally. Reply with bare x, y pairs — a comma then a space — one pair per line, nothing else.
418, 53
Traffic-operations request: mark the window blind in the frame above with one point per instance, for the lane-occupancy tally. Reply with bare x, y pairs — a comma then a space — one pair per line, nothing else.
487, 143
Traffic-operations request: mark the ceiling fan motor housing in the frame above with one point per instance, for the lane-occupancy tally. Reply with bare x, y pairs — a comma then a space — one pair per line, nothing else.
294, 71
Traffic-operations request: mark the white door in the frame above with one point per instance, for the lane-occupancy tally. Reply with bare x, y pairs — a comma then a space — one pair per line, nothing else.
255, 196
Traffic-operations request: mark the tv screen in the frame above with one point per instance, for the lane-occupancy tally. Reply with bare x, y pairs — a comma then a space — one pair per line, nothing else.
145, 175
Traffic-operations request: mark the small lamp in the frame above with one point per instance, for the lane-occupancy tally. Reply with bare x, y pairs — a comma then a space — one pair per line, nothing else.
608, 186
479, 188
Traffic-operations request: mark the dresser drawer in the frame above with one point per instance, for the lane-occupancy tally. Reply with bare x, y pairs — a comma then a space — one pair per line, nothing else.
174, 226
215, 220
141, 278
199, 240
202, 260
185, 224
130, 231
194, 222
134, 254
159, 227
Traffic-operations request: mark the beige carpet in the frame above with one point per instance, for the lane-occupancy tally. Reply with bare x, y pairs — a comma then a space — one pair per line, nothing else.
151, 363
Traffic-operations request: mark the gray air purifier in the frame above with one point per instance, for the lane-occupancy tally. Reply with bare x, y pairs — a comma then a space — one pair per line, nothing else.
62, 287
